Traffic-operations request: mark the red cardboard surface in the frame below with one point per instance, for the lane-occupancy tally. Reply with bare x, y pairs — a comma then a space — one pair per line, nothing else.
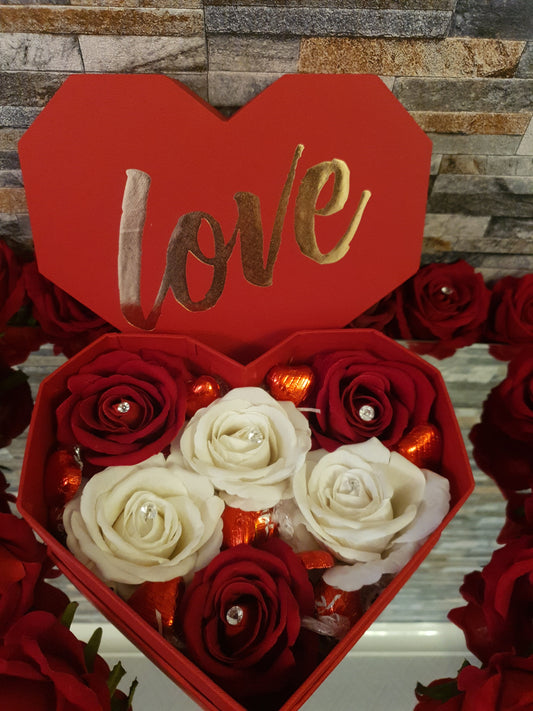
203, 167
299, 348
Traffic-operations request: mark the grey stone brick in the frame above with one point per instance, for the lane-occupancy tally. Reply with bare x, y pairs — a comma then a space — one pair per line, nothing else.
353, 4
466, 165
474, 145
28, 52
509, 165
9, 160
492, 95
237, 88
11, 179
231, 53
29, 88
197, 81
18, 116
455, 226
143, 54
525, 66
326, 21
505, 19
526, 144
511, 228
482, 195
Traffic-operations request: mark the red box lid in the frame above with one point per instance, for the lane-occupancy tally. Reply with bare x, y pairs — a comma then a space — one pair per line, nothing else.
158, 213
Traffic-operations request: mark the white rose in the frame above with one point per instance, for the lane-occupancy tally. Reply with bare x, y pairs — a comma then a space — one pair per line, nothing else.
369, 507
249, 445
152, 521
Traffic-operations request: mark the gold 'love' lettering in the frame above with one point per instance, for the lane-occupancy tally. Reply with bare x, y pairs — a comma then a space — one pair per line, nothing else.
184, 238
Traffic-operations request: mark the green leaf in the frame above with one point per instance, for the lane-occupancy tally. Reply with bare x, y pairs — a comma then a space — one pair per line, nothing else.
133, 686
116, 675
442, 692
68, 615
91, 649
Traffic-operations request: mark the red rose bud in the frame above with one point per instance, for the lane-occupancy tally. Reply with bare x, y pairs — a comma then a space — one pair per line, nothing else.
290, 382
422, 446
157, 602
62, 477
333, 601
246, 526
317, 560
201, 393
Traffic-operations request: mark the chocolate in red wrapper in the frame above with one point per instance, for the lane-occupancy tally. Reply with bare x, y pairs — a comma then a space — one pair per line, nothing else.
246, 526
290, 382
422, 446
62, 477
201, 393
156, 602
333, 601
317, 560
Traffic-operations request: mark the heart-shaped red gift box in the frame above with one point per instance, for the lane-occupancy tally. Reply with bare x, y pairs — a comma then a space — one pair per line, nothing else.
74, 160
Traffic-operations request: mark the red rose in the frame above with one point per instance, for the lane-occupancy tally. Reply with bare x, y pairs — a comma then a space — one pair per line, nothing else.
5, 498
510, 318
17, 342
506, 684
503, 439
444, 302
265, 592
12, 292
518, 517
42, 667
23, 565
498, 616
360, 396
16, 404
65, 322
381, 316
124, 407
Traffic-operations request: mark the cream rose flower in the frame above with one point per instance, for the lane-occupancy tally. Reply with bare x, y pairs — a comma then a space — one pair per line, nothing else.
152, 521
249, 445
369, 507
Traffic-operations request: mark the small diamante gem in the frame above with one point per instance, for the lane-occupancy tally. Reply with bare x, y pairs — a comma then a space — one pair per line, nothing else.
149, 511
367, 413
234, 615
447, 290
350, 486
255, 435
123, 407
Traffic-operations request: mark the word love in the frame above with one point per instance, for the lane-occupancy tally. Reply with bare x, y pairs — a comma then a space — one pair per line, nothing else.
184, 238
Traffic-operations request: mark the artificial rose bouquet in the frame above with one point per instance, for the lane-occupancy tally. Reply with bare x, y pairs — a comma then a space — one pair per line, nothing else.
242, 506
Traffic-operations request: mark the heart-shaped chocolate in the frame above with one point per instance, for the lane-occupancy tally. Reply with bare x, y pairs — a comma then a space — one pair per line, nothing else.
290, 382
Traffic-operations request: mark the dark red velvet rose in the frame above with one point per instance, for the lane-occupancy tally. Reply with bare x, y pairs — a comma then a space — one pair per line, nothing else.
12, 292
360, 396
241, 616
499, 613
42, 668
381, 316
23, 566
510, 318
17, 342
443, 302
124, 407
66, 322
518, 517
16, 403
5, 497
506, 684
503, 440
